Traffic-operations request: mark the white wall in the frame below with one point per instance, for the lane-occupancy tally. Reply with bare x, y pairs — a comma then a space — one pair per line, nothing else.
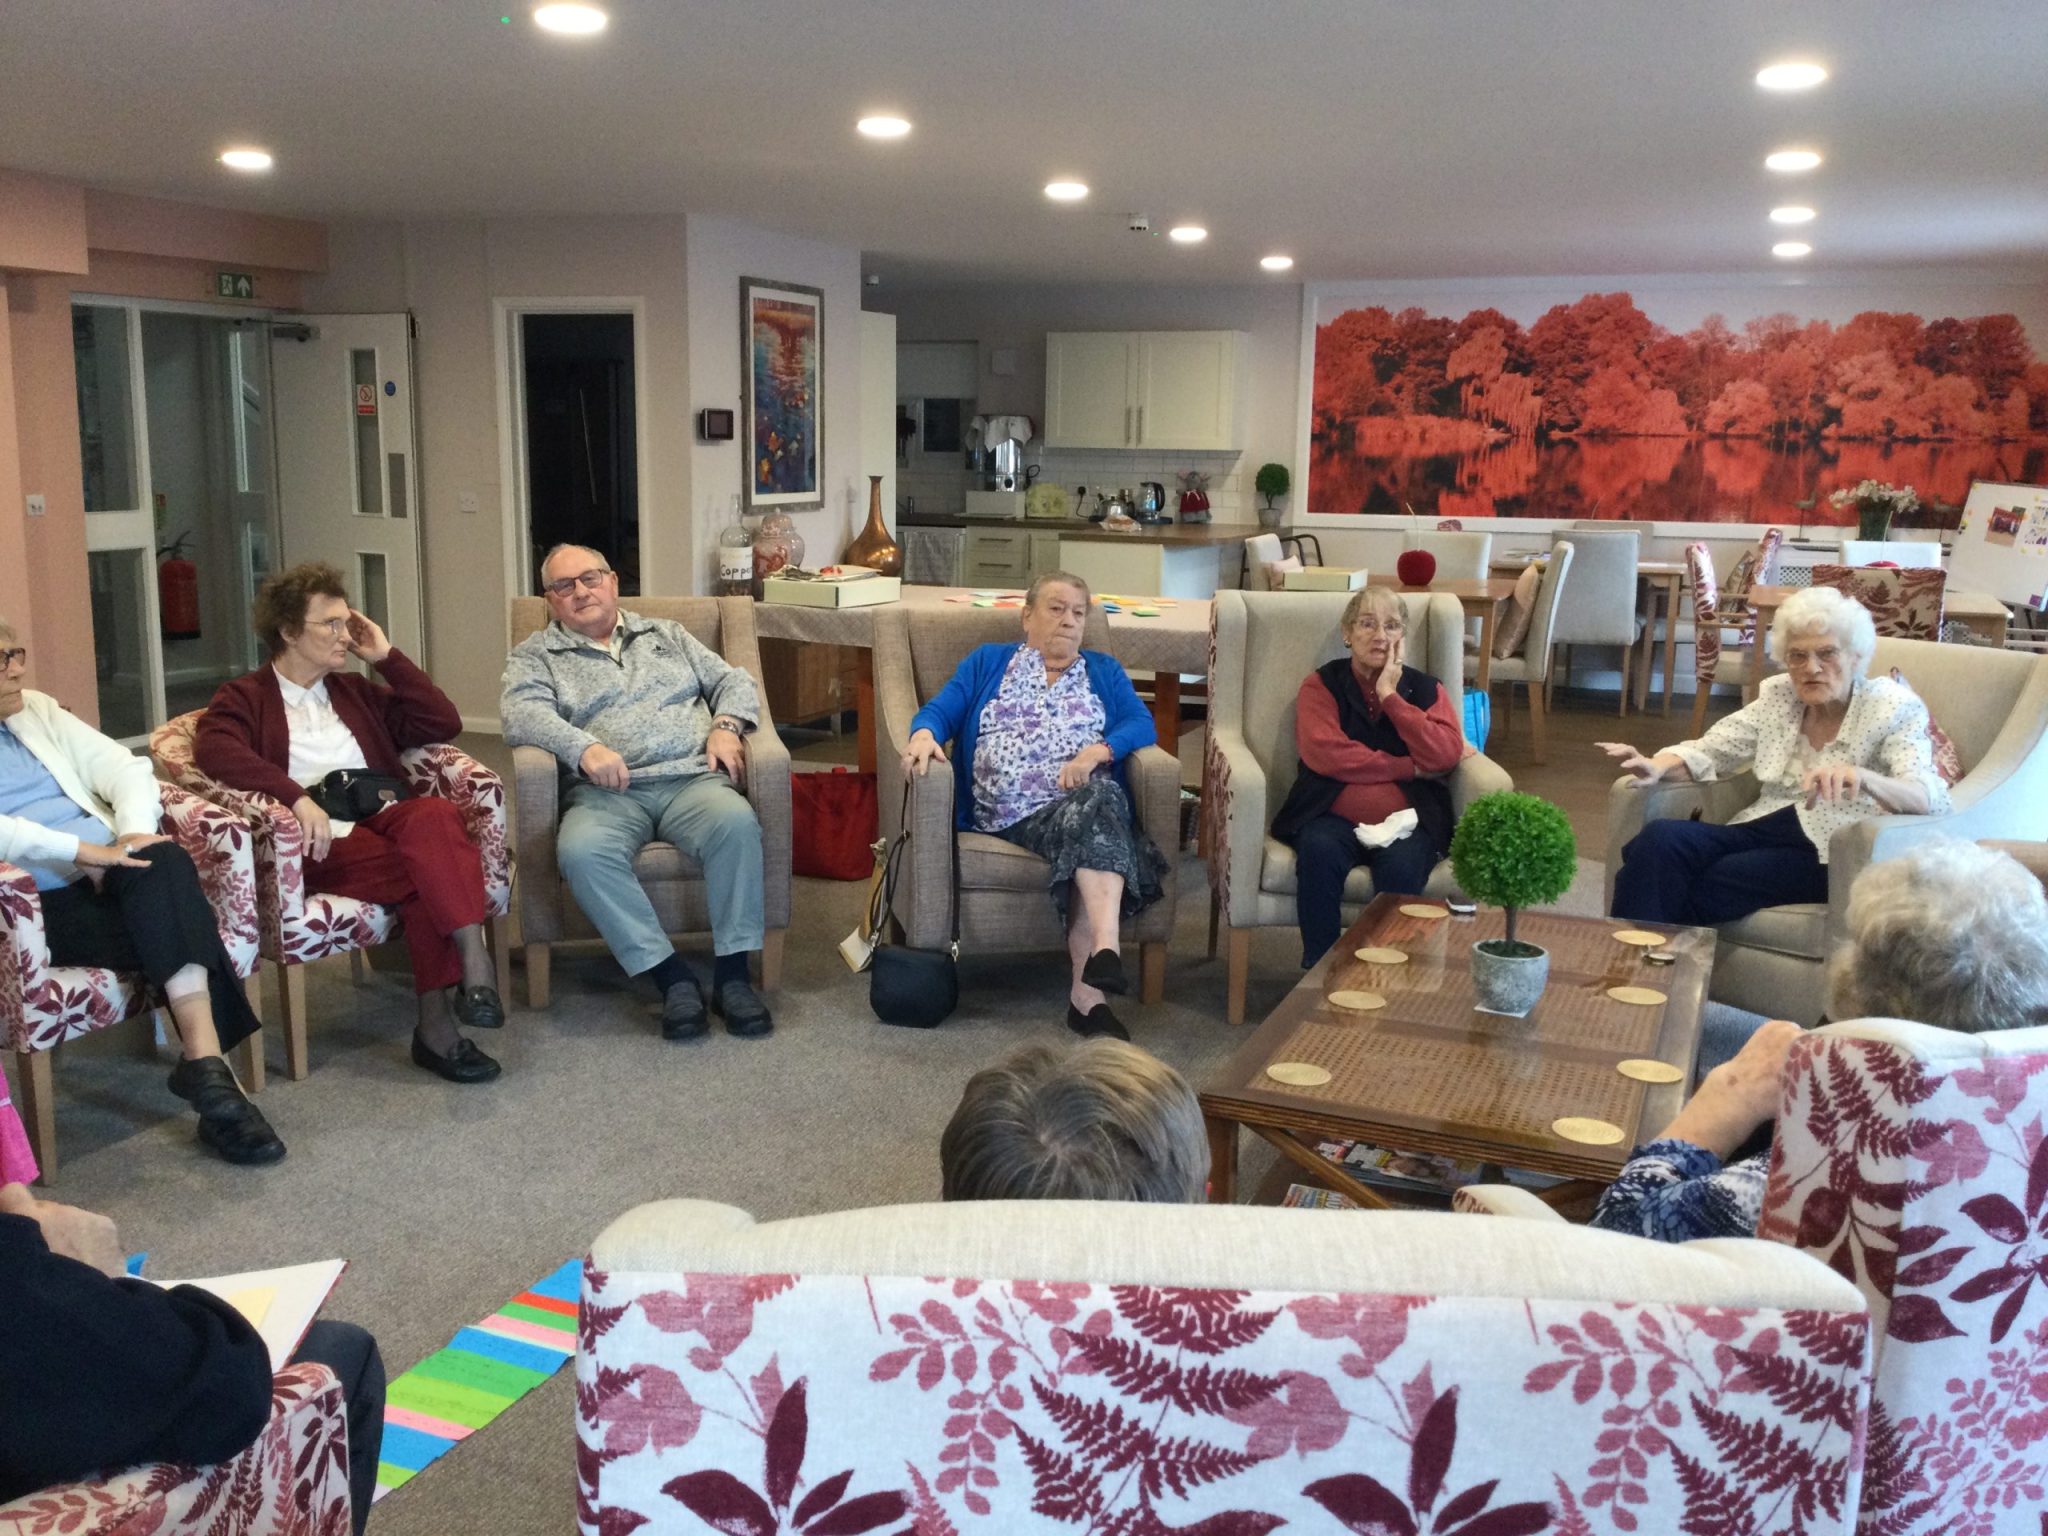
720, 253
878, 409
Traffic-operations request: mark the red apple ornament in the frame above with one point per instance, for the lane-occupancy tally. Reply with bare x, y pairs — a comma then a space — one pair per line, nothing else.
1416, 567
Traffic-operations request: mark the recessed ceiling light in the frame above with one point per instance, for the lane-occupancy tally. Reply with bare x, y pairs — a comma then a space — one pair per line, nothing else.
884, 127
1792, 213
1791, 250
1276, 263
1187, 234
1790, 76
246, 159
1791, 160
570, 20
1066, 191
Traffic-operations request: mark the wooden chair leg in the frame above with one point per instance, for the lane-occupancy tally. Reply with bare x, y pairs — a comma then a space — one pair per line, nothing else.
1628, 672
1239, 964
249, 1061
771, 959
1151, 972
500, 928
291, 989
38, 1109
539, 962
1701, 690
1536, 734
1215, 917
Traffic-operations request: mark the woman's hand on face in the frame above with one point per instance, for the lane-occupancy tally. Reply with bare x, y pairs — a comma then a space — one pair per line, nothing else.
318, 829
1390, 674
1645, 770
1078, 769
923, 751
366, 639
1831, 783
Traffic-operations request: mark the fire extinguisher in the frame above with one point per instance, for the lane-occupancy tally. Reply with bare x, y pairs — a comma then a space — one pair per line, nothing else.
177, 591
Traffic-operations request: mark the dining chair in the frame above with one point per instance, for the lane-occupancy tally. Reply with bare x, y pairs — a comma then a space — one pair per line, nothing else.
1905, 604
1720, 653
1908, 554
1604, 608
1531, 663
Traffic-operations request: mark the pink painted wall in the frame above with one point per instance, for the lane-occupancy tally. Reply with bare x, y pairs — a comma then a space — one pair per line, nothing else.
151, 226
42, 224
14, 577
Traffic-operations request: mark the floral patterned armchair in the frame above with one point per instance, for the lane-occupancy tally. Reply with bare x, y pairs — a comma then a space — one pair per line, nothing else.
1904, 604
297, 928
1213, 1369
292, 1482
43, 1005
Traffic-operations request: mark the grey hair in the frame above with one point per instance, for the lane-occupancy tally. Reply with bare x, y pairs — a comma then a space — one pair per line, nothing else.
596, 554
7, 629
1949, 934
1823, 610
1055, 579
1099, 1120
1384, 601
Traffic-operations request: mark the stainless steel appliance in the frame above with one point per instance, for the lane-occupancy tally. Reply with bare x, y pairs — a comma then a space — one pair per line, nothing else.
1006, 465
1150, 503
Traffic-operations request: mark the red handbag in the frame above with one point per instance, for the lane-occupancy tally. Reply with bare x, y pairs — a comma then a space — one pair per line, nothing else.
833, 824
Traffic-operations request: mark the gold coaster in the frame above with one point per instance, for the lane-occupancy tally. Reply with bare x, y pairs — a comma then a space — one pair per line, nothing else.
1644, 1070
1305, 1074
1374, 954
1358, 1002
1418, 909
1594, 1133
1644, 996
1641, 937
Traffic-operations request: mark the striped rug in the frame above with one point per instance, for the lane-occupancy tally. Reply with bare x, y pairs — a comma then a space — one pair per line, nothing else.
485, 1369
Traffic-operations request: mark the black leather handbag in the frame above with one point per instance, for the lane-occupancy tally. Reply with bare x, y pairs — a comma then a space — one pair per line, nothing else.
356, 794
916, 988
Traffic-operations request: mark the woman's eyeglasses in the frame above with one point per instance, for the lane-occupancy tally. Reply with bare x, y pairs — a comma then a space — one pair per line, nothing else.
590, 581
12, 655
1375, 627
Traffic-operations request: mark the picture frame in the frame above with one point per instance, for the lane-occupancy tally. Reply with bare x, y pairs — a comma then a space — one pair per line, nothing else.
782, 375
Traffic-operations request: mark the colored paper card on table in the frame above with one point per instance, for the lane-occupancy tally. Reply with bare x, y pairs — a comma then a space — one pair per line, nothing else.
485, 1369
280, 1304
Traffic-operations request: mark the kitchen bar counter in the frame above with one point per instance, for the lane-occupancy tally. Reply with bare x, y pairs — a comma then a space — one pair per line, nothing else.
1186, 534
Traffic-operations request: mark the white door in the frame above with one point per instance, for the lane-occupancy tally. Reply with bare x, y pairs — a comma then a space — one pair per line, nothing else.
347, 480
1187, 385
1088, 390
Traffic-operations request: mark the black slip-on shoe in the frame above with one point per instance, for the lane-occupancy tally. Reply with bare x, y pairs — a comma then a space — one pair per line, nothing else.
682, 1012
464, 1064
229, 1125
1104, 971
744, 1013
1096, 1021
478, 1007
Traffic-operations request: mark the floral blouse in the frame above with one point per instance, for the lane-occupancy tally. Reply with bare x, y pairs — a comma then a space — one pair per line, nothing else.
1673, 1191
1028, 731
1885, 730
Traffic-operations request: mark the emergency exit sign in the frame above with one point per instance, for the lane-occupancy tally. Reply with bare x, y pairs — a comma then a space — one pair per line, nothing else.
234, 285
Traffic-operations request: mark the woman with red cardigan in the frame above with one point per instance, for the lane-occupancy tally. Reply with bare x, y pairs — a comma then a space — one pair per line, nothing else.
284, 727
1377, 738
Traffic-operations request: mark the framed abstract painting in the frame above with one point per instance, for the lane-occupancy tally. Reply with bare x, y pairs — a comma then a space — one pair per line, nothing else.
782, 372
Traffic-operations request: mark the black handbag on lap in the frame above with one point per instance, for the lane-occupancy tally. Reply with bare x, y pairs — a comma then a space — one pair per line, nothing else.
917, 988
356, 794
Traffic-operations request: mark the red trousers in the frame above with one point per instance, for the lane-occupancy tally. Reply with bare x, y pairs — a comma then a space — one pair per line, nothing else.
416, 856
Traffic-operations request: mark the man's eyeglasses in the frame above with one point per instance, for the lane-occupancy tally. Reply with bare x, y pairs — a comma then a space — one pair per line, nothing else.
13, 654
589, 580
1375, 627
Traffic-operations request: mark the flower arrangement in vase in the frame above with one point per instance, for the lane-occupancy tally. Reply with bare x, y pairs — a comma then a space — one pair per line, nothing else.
1877, 504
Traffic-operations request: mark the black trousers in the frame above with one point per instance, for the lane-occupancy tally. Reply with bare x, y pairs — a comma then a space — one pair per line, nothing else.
1325, 852
351, 1354
1703, 873
156, 921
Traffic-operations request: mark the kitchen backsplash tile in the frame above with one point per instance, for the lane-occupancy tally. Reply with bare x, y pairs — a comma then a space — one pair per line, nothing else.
941, 489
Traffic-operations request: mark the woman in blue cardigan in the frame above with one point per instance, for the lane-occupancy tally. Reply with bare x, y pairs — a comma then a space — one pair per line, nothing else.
1043, 729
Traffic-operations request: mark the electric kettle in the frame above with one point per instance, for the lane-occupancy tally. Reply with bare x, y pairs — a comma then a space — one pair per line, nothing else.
1151, 502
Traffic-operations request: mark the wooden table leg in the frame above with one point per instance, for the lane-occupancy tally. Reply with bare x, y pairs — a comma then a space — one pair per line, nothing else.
1222, 1160
1316, 1166
1987, 627
1166, 710
1672, 595
864, 708
1484, 678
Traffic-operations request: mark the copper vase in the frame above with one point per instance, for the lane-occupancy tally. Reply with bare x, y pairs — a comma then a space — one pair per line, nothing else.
872, 546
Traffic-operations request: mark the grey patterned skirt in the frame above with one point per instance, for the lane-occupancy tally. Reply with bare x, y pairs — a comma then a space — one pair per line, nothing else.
1092, 828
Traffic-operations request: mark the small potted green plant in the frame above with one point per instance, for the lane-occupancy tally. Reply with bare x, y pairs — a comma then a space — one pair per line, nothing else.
1512, 851
1271, 482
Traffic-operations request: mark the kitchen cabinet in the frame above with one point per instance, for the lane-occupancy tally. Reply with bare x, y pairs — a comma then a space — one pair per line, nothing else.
996, 557
1045, 552
1144, 389
931, 555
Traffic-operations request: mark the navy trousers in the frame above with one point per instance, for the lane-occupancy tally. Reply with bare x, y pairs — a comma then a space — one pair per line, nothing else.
1325, 853
1695, 872
351, 1354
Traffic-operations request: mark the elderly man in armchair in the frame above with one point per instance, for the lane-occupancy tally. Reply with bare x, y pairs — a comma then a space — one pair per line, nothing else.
649, 726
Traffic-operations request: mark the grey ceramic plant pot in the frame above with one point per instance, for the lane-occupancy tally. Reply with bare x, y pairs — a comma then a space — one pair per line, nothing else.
1508, 983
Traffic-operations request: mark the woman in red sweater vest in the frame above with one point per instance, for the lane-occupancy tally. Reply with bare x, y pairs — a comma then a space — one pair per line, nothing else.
1376, 738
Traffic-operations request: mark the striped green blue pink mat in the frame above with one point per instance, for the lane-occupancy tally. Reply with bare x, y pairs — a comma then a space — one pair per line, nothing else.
486, 1368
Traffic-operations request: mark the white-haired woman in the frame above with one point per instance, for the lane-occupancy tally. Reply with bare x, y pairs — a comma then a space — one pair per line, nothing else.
1951, 934
1376, 739
1828, 745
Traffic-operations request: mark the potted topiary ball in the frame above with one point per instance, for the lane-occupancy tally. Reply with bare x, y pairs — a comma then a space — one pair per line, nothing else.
1271, 482
1512, 851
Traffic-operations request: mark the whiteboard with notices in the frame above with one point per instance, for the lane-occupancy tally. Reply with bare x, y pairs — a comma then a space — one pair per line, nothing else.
2001, 546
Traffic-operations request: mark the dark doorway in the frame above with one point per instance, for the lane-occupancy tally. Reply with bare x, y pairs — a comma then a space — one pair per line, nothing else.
582, 455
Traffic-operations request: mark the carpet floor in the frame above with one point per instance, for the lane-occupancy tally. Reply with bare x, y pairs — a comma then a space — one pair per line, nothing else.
446, 1199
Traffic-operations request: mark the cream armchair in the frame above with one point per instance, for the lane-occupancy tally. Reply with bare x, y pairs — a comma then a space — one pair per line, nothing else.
548, 914
1003, 905
1265, 644
1994, 704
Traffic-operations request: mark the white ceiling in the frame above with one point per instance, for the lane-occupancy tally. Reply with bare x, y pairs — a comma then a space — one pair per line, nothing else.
1370, 138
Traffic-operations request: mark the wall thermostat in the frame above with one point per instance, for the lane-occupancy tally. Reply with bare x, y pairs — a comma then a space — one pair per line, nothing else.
714, 426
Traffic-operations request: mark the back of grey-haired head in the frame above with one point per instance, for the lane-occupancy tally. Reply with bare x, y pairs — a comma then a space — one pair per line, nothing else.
1100, 1120
1054, 579
596, 554
1824, 610
1949, 934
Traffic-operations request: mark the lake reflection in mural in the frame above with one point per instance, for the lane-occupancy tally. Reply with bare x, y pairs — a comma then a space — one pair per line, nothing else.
1596, 411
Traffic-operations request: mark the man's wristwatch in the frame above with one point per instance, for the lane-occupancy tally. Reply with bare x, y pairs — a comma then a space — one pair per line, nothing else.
729, 723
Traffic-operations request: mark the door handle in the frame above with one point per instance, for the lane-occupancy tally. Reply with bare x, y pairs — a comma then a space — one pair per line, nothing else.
1141, 425
1127, 424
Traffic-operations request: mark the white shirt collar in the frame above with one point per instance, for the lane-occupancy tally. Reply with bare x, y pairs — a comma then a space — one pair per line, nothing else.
295, 695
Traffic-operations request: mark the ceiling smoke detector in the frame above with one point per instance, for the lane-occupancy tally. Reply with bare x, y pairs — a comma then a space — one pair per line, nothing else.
1137, 224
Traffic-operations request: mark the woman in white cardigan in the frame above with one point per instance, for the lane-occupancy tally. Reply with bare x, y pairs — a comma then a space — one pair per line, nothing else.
79, 814
1829, 745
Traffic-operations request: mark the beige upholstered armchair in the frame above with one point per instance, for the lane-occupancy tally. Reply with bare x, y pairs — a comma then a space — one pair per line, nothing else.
1003, 904
1265, 644
548, 914
1994, 704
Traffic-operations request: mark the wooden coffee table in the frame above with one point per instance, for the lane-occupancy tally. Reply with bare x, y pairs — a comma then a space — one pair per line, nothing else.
1429, 1073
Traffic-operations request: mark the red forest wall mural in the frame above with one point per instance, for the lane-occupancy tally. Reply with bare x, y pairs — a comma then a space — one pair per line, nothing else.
1595, 410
